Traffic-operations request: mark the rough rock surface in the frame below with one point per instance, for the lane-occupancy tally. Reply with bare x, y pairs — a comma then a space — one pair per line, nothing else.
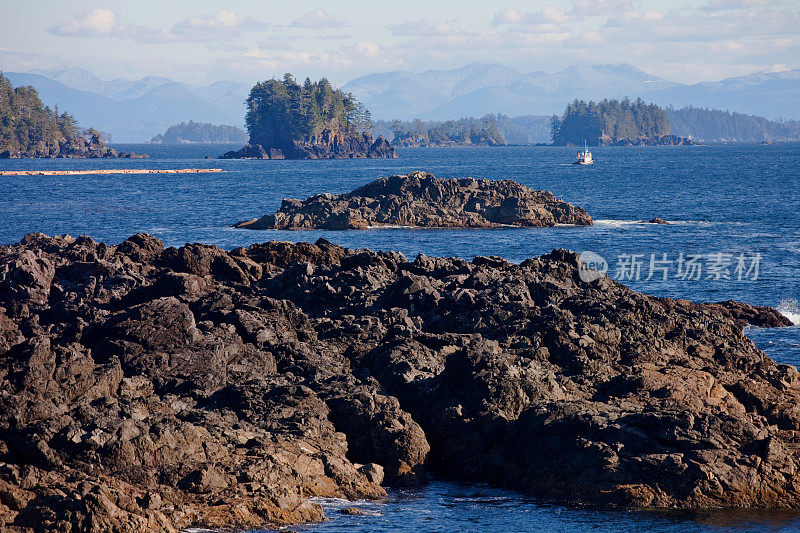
144, 389
420, 199
326, 145
92, 147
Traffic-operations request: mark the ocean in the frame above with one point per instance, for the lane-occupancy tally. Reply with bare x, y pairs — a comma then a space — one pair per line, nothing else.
733, 233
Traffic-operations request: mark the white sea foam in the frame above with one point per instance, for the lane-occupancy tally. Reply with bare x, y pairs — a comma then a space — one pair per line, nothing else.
617, 223
790, 308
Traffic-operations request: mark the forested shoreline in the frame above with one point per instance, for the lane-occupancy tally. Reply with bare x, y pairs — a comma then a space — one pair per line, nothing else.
28, 128
310, 121
200, 132
714, 125
608, 122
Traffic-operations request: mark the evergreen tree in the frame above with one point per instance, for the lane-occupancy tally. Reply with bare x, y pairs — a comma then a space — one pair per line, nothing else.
608, 121
200, 132
280, 112
29, 127
725, 126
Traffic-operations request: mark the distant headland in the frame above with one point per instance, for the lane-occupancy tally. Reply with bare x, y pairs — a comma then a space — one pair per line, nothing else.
28, 128
287, 120
200, 132
613, 122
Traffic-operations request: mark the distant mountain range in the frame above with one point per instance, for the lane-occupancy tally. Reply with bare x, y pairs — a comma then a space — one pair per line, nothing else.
477, 89
134, 111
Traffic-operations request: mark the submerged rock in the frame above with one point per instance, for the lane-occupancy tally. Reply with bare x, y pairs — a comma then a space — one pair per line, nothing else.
144, 388
419, 199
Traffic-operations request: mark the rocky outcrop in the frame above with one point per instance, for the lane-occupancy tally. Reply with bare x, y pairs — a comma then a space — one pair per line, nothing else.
659, 140
253, 151
420, 140
78, 147
144, 389
326, 145
421, 200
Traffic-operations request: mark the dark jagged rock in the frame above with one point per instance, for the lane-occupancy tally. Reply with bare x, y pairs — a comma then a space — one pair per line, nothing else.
253, 152
144, 389
657, 221
754, 315
92, 147
326, 145
352, 511
420, 199
77, 147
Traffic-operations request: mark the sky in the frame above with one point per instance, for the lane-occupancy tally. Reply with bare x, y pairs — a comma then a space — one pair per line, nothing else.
201, 41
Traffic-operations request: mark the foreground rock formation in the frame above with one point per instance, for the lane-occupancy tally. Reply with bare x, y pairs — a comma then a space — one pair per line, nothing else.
326, 145
422, 200
144, 389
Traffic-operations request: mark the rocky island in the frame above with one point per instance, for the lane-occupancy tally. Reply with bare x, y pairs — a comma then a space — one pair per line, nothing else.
286, 120
30, 129
614, 123
144, 388
200, 132
463, 132
421, 200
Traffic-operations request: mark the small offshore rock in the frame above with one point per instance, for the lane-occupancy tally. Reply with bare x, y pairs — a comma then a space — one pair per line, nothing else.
421, 200
352, 511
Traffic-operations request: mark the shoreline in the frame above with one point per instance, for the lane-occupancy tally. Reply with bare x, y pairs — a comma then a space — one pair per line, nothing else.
281, 371
107, 171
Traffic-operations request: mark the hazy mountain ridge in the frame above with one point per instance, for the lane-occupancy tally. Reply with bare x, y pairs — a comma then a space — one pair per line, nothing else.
480, 91
135, 110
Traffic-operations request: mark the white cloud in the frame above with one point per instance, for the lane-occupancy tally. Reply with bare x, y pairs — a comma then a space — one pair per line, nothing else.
91, 23
319, 18
545, 15
511, 16
600, 8
335, 36
424, 28
634, 18
264, 63
219, 26
368, 48
724, 5
275, 44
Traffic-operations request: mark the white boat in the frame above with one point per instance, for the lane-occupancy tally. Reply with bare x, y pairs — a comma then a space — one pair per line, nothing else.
585, 157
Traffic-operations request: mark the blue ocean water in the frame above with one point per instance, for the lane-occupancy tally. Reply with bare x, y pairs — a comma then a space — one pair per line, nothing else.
734, 209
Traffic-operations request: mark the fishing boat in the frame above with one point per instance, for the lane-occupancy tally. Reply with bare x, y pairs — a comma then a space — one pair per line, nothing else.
585, 157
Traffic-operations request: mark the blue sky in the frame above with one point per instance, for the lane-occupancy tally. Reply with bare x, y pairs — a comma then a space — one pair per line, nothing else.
203, 41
